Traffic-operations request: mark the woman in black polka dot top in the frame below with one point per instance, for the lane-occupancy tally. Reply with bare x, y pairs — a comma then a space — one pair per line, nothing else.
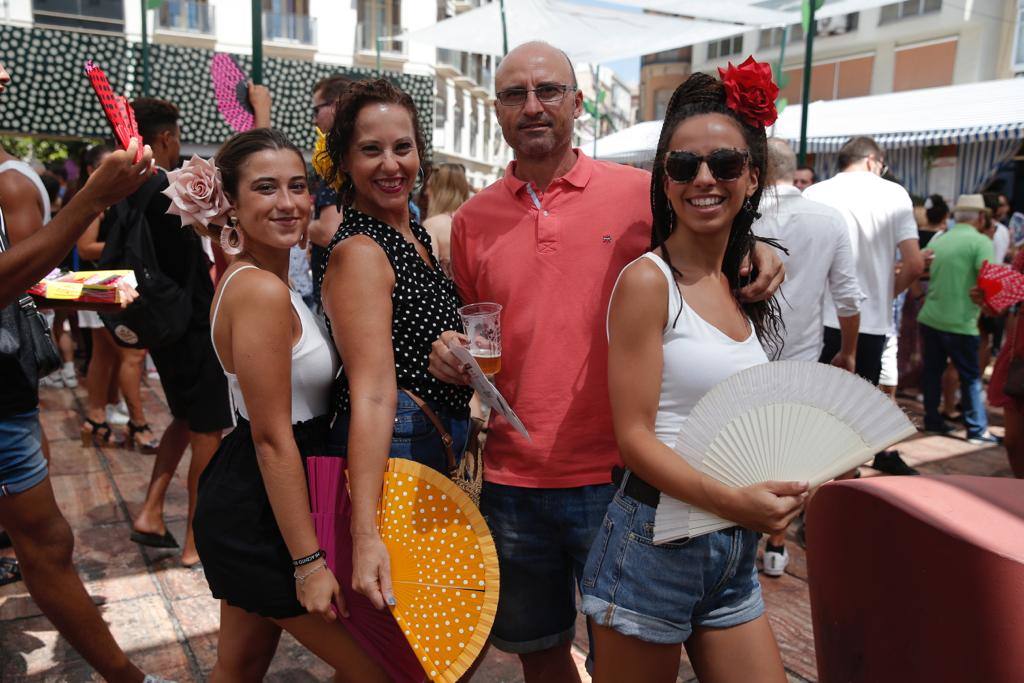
387, 300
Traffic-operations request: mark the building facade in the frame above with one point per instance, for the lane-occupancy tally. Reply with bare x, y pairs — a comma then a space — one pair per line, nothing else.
355, 36
903, 46
606, 109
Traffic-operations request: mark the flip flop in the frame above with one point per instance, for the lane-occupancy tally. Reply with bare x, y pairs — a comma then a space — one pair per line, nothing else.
10, 571
154, 540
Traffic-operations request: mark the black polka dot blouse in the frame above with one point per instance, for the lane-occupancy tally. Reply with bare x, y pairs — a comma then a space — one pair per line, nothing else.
424, 304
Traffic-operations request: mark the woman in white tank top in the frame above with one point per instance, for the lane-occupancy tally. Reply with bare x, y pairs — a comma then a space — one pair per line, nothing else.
252, 525
676, 329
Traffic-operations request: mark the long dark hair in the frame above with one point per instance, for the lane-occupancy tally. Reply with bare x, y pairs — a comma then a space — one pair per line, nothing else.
702, 94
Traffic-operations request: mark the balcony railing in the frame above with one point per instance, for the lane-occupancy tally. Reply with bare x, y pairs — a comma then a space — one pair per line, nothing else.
289, 28
367, 35
186, 16
95, 16
452, 58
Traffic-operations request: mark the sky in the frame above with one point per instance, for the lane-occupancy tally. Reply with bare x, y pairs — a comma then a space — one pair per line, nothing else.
627, 69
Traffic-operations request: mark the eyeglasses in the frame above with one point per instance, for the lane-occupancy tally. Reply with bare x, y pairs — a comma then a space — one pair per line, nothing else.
724, 164
549, 93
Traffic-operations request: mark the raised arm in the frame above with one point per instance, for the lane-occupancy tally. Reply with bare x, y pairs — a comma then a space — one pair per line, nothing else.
636, 319
357, 298
32, 258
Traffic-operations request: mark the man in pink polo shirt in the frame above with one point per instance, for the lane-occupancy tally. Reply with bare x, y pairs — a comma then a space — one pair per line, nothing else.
547, 242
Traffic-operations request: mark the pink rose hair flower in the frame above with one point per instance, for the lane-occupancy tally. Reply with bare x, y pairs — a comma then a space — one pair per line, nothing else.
197, 193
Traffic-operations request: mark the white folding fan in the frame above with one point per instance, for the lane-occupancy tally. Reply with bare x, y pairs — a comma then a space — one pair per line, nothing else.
782, 421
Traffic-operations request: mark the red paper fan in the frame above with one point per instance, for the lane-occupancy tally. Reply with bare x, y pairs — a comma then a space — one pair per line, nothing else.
118, 111
231, 88
1002, 286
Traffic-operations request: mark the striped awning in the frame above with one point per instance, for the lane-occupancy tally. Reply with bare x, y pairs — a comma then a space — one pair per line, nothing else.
925, 138
950, 115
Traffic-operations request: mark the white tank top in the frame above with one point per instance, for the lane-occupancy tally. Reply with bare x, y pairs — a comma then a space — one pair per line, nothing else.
314, 363
24, 169
697, 356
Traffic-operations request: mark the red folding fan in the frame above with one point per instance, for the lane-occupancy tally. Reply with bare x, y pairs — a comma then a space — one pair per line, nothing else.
118, 111
1002, 286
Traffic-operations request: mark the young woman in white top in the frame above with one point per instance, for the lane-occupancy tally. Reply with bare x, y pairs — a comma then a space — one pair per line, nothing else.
676, 329
252, 523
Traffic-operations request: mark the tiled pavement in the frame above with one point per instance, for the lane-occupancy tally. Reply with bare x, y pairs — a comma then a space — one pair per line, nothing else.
163, 615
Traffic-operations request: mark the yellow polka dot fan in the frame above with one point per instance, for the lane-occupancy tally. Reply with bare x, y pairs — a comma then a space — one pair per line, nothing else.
444, 568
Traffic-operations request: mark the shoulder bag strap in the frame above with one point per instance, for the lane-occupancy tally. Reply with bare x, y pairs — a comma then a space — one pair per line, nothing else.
446, 438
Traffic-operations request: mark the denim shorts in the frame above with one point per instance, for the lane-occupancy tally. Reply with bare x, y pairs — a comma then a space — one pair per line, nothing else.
659, 593
415, 437
22, 464
542, 537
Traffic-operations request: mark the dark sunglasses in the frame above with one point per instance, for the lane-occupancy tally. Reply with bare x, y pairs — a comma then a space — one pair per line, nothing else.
724, 164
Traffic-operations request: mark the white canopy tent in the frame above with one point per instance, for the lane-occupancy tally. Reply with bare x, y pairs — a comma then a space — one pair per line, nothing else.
985, 120
587, 34
762, 13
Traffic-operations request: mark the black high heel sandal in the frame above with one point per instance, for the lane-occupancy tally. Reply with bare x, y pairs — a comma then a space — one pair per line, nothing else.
98, 434
147, 447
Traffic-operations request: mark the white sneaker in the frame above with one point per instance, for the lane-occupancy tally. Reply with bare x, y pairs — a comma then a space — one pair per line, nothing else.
115, 416
67, 373
54, 379
775, 563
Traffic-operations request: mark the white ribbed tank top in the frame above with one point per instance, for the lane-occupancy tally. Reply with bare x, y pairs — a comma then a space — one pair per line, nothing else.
314, 363
697, 356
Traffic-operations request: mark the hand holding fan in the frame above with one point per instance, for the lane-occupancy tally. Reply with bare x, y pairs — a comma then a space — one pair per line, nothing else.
1002, 286
118, 111
782, 421
444, 567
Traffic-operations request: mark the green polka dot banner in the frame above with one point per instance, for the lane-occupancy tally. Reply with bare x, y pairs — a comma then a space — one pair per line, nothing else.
50, 94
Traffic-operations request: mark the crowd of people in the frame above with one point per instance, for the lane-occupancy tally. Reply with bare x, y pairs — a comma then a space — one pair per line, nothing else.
316, 317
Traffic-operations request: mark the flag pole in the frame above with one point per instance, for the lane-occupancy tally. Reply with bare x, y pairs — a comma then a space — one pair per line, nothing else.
257, 42
504, 28
145, 48
809, 30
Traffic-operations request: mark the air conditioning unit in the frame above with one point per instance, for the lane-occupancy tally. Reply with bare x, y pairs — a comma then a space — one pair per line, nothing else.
833, 26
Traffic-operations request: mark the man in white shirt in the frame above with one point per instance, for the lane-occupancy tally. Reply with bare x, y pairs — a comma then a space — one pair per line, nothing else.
820, 260
879, 217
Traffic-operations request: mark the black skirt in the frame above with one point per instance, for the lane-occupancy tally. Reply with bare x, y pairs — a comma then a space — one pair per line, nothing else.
244, 556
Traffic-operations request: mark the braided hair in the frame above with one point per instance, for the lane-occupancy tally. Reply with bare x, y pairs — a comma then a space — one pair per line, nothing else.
701, 94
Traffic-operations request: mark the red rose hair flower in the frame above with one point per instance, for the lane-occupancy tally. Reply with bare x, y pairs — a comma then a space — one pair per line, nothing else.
751, 92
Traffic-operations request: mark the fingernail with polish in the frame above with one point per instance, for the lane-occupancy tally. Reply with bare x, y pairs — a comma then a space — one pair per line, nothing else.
391, 601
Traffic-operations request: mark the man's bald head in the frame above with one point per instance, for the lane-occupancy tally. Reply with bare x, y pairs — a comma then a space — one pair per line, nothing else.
533, 51
781, 161
534, 129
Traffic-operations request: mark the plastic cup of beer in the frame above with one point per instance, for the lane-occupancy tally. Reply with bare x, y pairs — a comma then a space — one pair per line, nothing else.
483, 329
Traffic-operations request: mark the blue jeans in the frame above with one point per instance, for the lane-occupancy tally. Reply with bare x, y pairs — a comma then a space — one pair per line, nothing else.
22, 464
414, 438
542, 537
962, 350
659, 593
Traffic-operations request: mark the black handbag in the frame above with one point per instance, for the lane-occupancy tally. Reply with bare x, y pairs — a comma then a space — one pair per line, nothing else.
26, 335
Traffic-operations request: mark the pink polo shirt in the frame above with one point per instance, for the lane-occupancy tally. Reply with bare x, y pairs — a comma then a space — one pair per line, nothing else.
552, 269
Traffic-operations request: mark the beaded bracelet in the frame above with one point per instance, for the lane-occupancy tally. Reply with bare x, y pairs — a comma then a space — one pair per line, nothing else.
301, 578
308, 558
